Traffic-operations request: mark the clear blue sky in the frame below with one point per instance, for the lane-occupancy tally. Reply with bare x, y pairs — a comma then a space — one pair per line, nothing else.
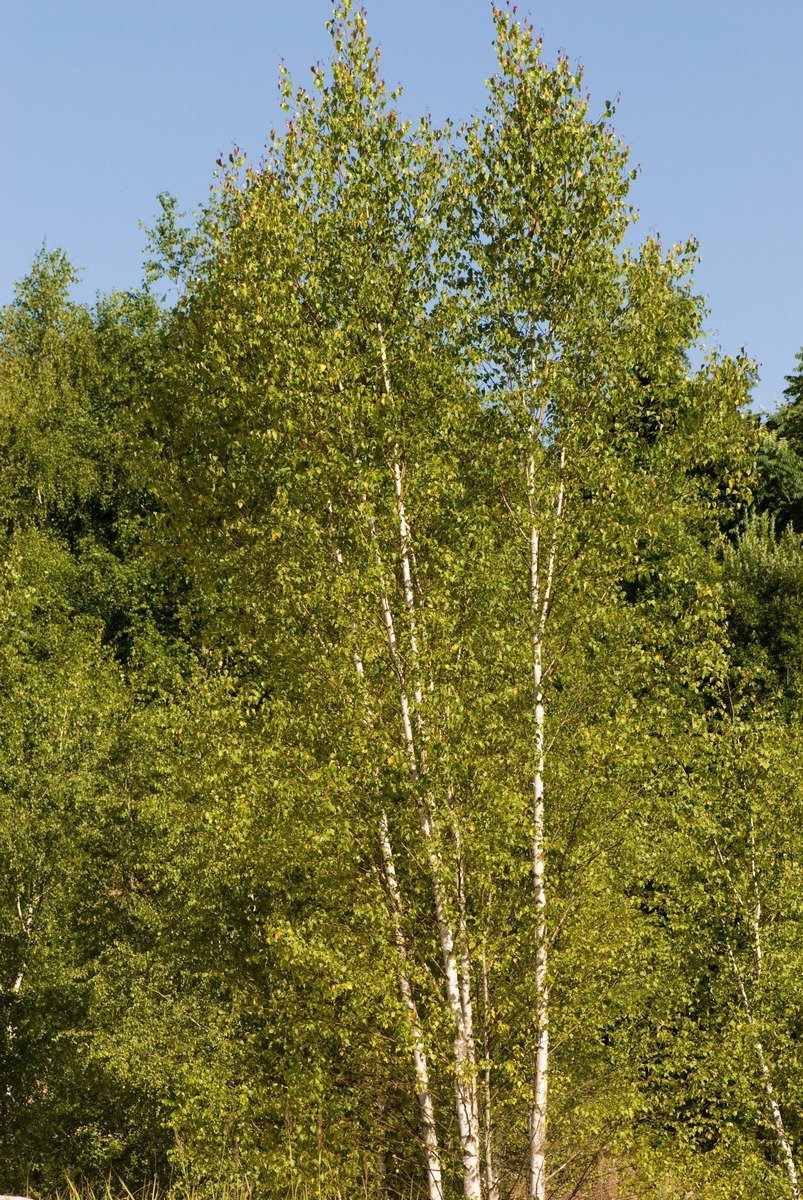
103, 103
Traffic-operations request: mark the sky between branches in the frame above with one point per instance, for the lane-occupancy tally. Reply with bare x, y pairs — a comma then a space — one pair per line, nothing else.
104, 103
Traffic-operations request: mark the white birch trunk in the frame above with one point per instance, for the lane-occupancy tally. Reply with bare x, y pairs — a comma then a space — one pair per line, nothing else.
465, 992
464, 1057
466, 1002
766, 1079
540, 598
456, 991
423, 1090
538, 1110
26, 919
420, 1063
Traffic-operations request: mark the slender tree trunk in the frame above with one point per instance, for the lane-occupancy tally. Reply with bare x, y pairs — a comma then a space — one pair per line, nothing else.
423, 1090
26, 919
420, 1063
540, 599
466, 1003
457, 989
465, 998
464, 1058
766, 1079
538, 1110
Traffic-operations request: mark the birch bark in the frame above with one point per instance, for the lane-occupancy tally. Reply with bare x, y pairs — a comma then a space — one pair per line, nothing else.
26, 920
766, 1079
415, 1028
423, 1090
776, 1117
540, 598
456, 978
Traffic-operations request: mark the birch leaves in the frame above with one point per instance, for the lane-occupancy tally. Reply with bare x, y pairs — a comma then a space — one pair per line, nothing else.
443, 437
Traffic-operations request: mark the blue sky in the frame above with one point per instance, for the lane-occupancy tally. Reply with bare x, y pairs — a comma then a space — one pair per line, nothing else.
104, 103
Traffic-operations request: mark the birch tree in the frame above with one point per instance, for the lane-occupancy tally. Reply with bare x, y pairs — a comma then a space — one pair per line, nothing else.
585, 354
431, 444
361, 191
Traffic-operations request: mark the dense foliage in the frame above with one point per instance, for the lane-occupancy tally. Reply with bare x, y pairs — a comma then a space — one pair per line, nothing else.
401, 652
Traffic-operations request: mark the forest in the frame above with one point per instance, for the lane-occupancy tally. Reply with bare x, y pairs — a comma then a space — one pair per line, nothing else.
401, 660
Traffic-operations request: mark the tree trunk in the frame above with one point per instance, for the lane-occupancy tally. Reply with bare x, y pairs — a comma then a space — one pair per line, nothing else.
540, 600
464, 1057
423, 1091
420, 1063
766, 1079
538, 1110
456, 990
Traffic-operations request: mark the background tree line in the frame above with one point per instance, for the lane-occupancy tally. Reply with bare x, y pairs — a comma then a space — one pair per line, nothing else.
401, 648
